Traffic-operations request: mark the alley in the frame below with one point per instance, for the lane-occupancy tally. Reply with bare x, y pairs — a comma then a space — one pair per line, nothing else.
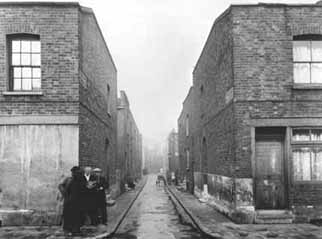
153, 216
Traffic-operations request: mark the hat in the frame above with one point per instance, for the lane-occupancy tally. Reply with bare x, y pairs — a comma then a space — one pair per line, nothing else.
75, 169
97, 170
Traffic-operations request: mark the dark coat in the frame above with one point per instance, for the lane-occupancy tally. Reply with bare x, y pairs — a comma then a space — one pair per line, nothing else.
88, 196
101, 186
72, 204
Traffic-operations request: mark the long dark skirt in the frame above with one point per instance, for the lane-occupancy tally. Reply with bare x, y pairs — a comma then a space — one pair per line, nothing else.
71, 217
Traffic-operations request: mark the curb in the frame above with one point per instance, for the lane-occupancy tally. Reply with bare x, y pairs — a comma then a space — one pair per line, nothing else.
108, 234
196, 222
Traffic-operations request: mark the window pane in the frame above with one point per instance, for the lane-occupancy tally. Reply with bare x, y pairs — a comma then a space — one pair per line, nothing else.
302, 164
316, 73
317, 166
301, 73
35, 46
316, 134
25, 59
26, 72
316, 50
35, 59
15, 46
36, 73
36, 83
301, 135
25, 46
15, 59
301, 51
26, 84
17, 72
16, 84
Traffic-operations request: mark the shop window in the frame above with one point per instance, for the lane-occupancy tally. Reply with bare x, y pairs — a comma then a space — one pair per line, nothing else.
307, 154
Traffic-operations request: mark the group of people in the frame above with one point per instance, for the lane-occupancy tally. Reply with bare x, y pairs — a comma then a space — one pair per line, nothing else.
84, 199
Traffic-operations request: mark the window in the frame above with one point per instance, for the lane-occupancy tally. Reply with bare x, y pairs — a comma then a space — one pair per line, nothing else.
188, 158
307, 154
108, 98
24, 61
307, 59
187, 125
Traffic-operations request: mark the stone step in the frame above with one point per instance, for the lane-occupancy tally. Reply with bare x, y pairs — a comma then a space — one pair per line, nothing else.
274, 217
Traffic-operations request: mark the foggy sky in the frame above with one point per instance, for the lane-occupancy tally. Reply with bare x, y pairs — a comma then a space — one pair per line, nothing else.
155, 45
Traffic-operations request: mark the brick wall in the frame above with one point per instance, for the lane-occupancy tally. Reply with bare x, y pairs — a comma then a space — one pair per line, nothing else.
97, 111
57, 26
214, 116
129, 140
263, 72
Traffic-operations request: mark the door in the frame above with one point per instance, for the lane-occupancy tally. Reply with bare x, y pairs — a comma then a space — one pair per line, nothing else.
269, 178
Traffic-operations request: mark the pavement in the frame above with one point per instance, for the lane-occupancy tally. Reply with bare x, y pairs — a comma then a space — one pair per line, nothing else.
215, 225
116, 214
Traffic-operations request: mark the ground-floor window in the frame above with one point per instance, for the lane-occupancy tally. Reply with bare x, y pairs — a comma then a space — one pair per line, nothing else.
307, 154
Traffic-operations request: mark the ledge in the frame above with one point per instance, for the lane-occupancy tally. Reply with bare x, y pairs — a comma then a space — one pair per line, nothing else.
23, 93
307, 86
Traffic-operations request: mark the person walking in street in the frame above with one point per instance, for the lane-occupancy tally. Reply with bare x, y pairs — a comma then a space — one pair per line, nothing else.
72, 203
101, 187
89, 197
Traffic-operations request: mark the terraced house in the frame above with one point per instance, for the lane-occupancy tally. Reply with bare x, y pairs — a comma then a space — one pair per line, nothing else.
58, 96
257, 131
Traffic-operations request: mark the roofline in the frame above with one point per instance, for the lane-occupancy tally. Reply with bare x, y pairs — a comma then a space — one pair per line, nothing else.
82, 9
222, 15
87, 10
187, 96
261, 4
228, 10
56, 4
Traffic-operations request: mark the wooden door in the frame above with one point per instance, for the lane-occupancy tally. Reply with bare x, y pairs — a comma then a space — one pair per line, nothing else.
269, 178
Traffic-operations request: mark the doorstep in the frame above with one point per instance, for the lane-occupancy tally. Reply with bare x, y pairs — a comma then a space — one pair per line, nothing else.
274, 217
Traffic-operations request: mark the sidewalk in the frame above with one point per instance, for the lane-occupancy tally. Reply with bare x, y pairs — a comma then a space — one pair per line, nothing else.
216, 225
115, 216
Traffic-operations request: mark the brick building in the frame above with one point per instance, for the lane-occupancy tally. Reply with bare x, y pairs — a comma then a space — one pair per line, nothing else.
173, 152
258, 119
186, 144
129, 139
57, 102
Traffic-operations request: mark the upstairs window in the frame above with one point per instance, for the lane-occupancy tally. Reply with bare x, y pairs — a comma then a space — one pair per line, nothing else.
24, 62
307, 59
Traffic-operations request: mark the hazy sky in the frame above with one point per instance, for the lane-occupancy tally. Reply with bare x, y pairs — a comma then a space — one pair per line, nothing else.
155, 45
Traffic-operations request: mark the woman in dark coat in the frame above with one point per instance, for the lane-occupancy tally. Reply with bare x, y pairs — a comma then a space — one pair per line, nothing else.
72, 203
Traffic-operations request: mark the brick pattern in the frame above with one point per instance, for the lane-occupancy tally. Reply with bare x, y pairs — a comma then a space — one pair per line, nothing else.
249, 50
97, 109
58, 30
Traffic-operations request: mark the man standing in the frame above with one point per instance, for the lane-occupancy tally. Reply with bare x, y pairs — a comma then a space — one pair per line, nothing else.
101, 186
88, 205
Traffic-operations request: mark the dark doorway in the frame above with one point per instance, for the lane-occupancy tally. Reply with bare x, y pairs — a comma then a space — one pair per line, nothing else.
270, 171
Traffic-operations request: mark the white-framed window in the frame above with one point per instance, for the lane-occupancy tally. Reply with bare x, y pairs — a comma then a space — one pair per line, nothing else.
307, 154
24, 62
307, 59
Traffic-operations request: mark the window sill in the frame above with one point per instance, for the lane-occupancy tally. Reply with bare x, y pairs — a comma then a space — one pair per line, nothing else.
316, 86
22, 93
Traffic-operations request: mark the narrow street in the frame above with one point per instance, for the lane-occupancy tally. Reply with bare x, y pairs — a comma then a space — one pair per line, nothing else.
154, 216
